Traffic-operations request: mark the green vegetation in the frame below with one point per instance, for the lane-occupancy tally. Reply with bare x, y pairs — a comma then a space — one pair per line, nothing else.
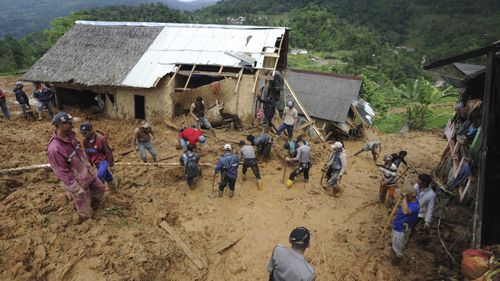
384, 41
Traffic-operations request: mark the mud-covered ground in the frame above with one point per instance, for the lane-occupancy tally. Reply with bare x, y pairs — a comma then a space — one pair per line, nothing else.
39, 239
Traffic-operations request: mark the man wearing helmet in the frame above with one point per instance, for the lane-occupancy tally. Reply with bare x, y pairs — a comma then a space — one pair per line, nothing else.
228, 167
290, 115
143, 137
289, 263
337, 165
72, 168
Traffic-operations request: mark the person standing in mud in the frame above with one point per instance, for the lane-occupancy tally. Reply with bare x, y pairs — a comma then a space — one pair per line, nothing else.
304, 158
98, 153
288, 264
198, 111
189, 160
143, 140
247, 153
72, 168
337, 165
263, 142
22, 98
44, 97
228, 167
404, 221
3, 104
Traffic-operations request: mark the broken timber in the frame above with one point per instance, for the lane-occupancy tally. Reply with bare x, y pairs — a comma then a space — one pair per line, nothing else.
184, 247
227, 243
296, 98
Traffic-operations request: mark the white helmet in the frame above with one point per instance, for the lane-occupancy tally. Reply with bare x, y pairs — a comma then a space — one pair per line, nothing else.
289, 103
337, 145
227, 147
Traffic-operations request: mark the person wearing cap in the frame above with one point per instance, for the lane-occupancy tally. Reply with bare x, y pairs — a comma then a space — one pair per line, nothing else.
190, 135
22, 98
289, 264
374, 146
98, 153
228, 167
44, 97
3, 104
264, 143
72, 168
426, 198
189, 160
337, 165
143, 140
304, 158
406, 217
198, 111
247, 153
290, 116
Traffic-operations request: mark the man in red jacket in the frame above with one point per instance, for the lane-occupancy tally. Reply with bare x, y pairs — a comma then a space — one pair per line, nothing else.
190, 135
98, 153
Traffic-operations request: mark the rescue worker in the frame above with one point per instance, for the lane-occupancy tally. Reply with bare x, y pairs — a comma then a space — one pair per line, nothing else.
98, 153
190, 135
269, 108
388, 180
426, 198
263, 142
374, 146
405, 219
72, 168
291, 146
288, 264
189, 160
228, 167
336, 166
143, 140
22, 98
247, 154
197, 110
290, 116
43, 95
304, 158
3, 104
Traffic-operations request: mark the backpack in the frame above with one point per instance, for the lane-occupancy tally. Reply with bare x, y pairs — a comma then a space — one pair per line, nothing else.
191, 168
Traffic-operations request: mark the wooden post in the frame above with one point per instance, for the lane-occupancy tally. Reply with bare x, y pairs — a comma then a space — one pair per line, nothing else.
238, 92
184, 247
173, 76
189, 78
255, 82
303, 109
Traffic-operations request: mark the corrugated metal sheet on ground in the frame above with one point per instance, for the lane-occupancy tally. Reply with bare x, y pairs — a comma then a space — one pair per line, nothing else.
201, 45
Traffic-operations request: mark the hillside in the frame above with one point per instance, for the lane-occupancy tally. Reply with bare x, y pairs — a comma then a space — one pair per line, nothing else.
18, 18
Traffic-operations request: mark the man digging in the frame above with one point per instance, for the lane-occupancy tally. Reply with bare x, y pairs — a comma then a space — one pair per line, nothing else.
247, 153
304, 159
336, 167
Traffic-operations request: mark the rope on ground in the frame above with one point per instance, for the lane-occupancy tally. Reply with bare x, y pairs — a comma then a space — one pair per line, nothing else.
47, 166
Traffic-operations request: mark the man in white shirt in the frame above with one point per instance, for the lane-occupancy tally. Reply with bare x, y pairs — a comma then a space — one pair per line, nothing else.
426, 198
290, 116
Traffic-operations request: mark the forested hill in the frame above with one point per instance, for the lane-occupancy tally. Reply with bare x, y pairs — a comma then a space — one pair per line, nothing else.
20, 17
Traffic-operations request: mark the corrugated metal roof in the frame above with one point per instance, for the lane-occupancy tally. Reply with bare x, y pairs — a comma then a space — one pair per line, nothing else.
325, 95
467, 68
200, 45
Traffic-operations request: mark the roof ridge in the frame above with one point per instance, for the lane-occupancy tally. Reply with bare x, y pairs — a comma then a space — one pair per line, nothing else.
170, 24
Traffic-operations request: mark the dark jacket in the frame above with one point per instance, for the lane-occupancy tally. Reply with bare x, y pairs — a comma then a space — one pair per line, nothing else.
44, 94
21, 96
269, 106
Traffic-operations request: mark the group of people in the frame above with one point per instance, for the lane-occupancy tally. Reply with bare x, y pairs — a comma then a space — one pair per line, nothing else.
43, 95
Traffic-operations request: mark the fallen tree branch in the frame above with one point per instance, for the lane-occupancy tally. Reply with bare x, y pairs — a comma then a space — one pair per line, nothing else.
442, 243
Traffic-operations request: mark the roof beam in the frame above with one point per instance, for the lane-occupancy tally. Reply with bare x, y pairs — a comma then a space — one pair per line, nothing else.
189, 78
464, 56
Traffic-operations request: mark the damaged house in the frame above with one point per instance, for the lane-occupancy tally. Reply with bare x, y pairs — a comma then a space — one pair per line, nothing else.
469, 164
331, 100
156, 70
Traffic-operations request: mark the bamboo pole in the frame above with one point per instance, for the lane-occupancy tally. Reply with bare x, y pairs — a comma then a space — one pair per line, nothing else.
47, 166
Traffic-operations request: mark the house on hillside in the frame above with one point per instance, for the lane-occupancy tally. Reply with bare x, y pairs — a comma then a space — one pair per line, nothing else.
469, 165
155, 70
332, 100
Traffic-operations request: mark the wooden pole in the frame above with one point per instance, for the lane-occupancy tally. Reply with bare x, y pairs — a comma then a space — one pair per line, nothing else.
303, 109
184, 247
189, 78
173, 76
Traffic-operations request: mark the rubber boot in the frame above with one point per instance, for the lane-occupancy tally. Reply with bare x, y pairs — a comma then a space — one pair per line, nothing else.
260, 184
289, 183
39, 115
231, 193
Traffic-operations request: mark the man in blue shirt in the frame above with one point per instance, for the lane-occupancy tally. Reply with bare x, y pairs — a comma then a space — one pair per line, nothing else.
228, 167
405, 219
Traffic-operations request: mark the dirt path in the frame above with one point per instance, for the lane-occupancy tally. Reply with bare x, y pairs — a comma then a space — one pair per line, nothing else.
38, 239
